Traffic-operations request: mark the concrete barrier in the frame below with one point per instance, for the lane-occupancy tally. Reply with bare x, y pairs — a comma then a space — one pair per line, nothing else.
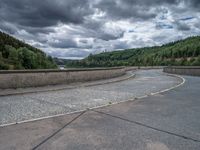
143, 67
183, 70
36, 78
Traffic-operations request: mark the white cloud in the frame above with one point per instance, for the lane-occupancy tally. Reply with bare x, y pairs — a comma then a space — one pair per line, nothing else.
100, 25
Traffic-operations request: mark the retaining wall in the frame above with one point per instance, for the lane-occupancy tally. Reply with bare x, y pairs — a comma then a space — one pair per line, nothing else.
193, 71
36, 78
143, 67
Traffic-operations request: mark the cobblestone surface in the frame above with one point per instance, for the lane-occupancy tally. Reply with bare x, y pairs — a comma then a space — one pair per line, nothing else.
30, 106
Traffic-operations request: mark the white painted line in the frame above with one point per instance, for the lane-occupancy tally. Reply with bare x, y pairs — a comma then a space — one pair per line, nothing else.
41, 118
106, 105
162, 91
145, 96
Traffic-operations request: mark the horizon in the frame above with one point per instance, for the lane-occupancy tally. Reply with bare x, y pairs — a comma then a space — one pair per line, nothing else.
93, 27
80, 58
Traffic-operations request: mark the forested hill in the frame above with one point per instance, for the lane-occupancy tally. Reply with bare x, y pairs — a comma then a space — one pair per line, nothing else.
15, 54
183, 52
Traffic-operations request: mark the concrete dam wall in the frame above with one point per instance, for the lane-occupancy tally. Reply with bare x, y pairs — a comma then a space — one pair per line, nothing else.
193, 71
36, 78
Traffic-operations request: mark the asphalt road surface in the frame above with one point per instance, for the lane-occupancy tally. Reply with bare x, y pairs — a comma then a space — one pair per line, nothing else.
36, 105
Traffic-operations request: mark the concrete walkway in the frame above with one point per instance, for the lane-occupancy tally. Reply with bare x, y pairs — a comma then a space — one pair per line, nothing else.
167, 121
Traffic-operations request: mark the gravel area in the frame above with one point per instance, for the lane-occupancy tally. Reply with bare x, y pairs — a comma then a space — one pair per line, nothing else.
35, 105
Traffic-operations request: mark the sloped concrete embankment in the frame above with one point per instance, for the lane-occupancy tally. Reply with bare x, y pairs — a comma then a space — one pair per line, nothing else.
36, 78
192, 71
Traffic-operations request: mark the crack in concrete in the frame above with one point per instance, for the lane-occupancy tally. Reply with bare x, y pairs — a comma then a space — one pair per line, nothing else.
150, 127
53, 134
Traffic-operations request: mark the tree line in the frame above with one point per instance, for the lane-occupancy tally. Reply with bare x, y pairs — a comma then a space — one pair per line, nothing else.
15, 54
180, 53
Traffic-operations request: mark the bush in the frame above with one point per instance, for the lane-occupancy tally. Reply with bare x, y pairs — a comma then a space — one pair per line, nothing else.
196, 62
3, 66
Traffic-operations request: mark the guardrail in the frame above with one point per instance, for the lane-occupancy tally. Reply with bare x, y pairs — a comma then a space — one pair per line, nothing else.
183, 70
36, 78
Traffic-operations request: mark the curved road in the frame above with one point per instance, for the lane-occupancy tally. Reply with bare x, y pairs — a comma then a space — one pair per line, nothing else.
165, 121
31, 106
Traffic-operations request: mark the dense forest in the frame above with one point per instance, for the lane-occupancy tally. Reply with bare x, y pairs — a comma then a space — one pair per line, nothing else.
15, 54
180, 53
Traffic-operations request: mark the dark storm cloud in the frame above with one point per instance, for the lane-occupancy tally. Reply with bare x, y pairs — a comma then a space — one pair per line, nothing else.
122, 10
194, 3
70, 53
42, 13
182, 26
7, 27
121, 45
186, 18
151, 2
94, 24
160, 25
38, 30
159, 38
45, 13
83, 41
98, 30
197, 25
63, 43
132, 9
109, 36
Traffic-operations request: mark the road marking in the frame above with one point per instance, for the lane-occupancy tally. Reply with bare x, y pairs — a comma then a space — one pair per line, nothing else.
162, 91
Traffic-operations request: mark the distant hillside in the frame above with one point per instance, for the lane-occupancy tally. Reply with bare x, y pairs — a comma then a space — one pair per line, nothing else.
62, 62
183, 52
15, 54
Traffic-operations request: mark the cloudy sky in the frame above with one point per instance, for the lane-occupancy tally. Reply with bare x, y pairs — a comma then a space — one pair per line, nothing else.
76, 28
